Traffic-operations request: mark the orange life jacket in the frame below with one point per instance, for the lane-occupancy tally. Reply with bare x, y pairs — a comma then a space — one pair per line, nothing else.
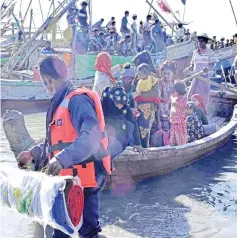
62, 134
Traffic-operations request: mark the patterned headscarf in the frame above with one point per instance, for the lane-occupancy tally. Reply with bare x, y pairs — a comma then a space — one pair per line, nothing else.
200, 100
103, 64
110, 97
117, 95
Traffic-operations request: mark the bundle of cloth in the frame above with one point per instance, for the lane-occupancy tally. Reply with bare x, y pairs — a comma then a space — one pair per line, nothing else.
54, 201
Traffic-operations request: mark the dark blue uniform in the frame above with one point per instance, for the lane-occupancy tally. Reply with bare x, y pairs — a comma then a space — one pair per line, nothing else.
85, 122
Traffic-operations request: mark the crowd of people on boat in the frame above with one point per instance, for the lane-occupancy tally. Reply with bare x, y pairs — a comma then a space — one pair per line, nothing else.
147, 106
127, 40
223, 43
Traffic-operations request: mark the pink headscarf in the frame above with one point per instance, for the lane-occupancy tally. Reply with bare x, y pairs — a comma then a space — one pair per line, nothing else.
103, 64
200, 100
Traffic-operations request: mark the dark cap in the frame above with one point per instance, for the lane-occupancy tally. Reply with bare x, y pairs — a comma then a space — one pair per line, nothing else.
180, 88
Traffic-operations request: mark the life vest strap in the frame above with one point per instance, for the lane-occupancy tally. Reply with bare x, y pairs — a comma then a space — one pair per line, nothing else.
60, 146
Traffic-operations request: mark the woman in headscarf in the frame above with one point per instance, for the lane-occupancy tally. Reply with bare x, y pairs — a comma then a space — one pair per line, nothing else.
122, 129
200, 108
195, 127
127, 77
104, 75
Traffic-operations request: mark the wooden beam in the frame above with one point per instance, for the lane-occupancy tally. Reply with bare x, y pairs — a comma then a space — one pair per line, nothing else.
31, 18
168, 24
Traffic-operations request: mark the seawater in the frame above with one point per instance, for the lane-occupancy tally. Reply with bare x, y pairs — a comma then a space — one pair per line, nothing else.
199, 200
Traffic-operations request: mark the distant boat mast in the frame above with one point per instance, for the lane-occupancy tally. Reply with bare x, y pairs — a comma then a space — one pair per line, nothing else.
233, 12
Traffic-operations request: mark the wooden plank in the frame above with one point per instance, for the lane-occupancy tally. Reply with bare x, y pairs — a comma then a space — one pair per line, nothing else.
209, 116
220, 121
214, 119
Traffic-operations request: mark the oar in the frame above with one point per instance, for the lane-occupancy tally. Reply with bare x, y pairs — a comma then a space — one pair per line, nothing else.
218, 85
185, 80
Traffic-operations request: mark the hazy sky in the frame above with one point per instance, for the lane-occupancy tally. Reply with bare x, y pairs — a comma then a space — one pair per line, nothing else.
211, 16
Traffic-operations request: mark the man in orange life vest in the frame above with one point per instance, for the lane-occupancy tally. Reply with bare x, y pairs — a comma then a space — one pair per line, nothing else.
76, 143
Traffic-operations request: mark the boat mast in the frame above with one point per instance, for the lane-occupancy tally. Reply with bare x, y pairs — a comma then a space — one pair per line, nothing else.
233, 11
90, 13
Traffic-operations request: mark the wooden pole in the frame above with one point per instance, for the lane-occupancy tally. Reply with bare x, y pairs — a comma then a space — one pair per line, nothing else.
218, 85
54, 30
12, 63
42, 15
184, 12
168, 24
150, 7
27, 11
90, 12
233, 11
31, 18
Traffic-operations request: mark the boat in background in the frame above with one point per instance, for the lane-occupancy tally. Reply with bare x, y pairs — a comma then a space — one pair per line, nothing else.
27, 94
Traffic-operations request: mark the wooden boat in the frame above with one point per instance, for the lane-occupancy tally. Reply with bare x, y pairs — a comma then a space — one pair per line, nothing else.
131, 167
28, 96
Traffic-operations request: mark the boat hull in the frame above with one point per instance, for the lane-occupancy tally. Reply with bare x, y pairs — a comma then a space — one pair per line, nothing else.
132, 168
25, 106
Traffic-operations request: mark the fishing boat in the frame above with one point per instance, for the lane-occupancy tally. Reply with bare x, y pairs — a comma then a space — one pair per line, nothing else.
25, 94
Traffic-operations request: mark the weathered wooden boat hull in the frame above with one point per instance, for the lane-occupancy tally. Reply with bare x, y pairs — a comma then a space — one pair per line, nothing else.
132, 167
24, 106
28, 96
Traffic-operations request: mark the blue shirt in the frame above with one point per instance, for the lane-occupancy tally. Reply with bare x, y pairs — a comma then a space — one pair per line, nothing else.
124, 24
82, 16
47, 51
86, 124
156, 29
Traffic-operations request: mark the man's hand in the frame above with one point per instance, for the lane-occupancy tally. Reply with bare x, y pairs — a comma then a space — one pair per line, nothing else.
140, 149
23, 159
54, 167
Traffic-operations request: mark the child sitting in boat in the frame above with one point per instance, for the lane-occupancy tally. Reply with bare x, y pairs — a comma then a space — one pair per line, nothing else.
200, 108
178, 131
147, 99
168, 71
194, 124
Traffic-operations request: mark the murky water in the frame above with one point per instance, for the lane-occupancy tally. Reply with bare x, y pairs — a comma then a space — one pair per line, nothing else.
197, 201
